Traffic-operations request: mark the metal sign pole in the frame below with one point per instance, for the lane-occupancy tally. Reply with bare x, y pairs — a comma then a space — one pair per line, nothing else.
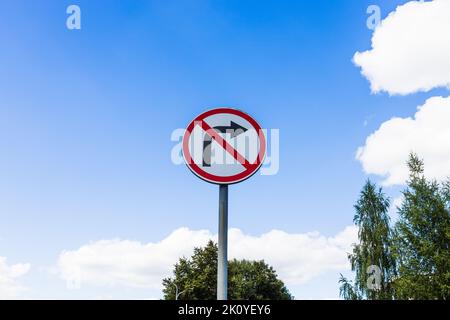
222, 266
215, 123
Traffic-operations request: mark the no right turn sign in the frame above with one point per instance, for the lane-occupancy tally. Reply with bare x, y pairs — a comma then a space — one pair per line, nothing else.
224, 146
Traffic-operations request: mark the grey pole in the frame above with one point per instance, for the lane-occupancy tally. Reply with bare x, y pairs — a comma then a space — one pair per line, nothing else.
222, 266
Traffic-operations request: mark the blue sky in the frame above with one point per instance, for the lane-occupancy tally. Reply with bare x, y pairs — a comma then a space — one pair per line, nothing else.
86, 117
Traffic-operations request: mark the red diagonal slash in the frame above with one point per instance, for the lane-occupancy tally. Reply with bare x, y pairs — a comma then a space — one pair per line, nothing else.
224, 144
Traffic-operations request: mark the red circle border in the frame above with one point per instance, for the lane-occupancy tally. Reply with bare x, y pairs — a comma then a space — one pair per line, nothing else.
219, 179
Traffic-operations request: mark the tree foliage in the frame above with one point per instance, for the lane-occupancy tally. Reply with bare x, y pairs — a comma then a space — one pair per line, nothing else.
373, 248
422, 237
414, 255
196, 279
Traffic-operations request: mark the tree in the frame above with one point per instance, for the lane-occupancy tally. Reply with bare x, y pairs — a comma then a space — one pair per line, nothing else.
371, 259
196, 279
255, 280
422, 237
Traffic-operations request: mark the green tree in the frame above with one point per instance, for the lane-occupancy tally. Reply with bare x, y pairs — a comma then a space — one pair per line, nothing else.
255, 280
422, 237
371, 259
196, 279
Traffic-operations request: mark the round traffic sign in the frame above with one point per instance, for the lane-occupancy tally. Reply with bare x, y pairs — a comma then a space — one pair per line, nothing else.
224, 146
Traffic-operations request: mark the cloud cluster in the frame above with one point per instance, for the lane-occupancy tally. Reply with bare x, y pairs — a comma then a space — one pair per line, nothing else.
9, 274
410, 49
410, 53
297, 257
386, 151
128, 263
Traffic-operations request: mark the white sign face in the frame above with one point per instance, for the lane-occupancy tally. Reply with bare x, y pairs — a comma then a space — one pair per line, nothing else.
224, 146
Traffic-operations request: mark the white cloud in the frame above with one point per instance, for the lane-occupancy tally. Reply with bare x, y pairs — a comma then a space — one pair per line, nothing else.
386, 151
297, 257
397, 202
410, 49
128, 263
9, 274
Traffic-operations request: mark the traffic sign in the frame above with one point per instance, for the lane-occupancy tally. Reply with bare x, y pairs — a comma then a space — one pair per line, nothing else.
224, 146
